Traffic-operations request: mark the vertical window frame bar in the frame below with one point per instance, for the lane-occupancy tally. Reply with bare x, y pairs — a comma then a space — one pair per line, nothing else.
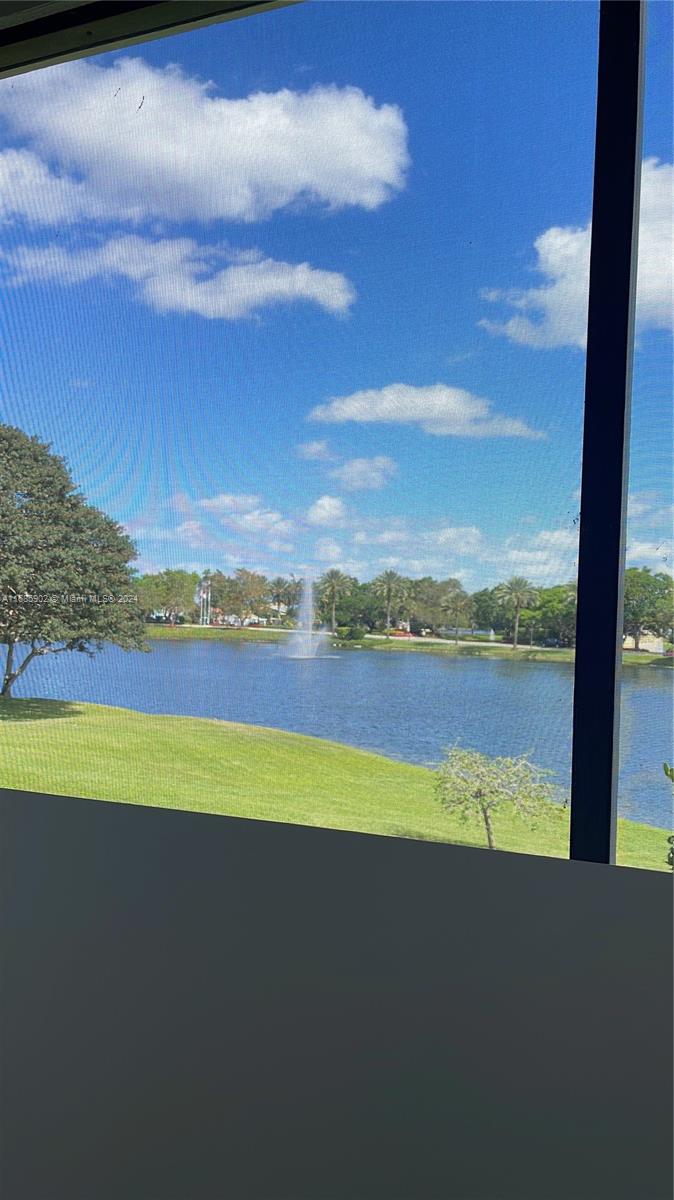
606, 433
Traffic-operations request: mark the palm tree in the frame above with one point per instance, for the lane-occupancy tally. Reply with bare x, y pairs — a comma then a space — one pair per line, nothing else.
407, 600
390, 587
293, 594
517, 593
332, 586
457, 604
278, 593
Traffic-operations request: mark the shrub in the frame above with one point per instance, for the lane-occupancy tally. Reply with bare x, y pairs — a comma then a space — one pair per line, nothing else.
356, 633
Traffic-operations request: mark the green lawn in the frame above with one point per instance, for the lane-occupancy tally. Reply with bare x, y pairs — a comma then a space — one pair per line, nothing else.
476, 650
213, 633
90, 750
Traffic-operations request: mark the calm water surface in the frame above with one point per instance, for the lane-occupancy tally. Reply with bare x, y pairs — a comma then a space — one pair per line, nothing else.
407, 706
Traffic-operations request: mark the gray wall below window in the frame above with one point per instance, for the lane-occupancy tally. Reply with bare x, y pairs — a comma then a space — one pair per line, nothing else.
208, 1008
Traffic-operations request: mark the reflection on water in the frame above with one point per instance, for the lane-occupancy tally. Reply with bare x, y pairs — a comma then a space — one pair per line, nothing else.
408, 706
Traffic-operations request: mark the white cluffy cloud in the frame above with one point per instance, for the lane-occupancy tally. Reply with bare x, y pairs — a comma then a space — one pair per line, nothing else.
437, 409
438, 544
365, 474
557, 539
387, 537
260, 520
326, 550
555, 312
28, 188
246, 514
546, 558
459, 539
316, 451
178, 275
133, 142
327, 510
659, 556
649, 510
226, 503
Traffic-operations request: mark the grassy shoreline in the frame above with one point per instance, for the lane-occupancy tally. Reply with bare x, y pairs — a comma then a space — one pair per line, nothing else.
393, 645
202, 765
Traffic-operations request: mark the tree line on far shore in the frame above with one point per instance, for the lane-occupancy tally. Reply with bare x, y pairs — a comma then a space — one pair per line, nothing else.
67, 583
515, 609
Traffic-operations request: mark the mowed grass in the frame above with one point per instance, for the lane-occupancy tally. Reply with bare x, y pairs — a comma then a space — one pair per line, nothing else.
200, 765
212, 633
630, 658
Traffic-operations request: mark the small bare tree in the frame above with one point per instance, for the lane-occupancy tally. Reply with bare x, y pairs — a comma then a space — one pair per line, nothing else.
469, 783
669, 772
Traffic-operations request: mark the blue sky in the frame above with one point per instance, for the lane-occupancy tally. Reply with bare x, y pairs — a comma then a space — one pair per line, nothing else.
329, 309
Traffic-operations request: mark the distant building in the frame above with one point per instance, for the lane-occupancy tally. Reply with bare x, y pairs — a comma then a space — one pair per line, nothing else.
219, 617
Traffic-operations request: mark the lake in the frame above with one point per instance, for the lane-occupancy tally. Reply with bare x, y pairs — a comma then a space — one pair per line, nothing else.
405, 705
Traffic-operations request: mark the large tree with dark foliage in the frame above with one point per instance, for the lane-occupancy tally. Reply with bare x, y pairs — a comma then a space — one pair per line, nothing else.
65, 577
648, 603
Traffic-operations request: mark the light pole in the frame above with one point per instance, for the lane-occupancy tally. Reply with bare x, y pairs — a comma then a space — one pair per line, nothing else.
205, 602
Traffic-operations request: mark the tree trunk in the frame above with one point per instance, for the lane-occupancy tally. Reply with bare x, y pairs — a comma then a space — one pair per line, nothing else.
456, 634
637, 639
388, 619
517, 628
8, 679
11, 676
487, 824
531, 636
334, 621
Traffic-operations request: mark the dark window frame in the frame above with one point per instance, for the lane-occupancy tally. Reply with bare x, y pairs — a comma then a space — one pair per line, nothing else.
43, 34
606, 432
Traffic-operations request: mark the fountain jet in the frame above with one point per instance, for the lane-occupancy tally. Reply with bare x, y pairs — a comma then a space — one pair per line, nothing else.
306, 642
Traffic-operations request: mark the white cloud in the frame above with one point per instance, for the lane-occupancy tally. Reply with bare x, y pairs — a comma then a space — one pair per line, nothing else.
29, 189
437, 409
655, 299
639, 504
191, 532
178, 275
133, 142
461, 539
546, 558
351, 566
541, 566
171, 560
227, 503
245, 514
415, 568
647, 510
657, 555
151, 533
365, 474
558, 539
260, 520
187, 533
387, 537
558, 307
314, 450
327, 510
437, 548
327, 550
